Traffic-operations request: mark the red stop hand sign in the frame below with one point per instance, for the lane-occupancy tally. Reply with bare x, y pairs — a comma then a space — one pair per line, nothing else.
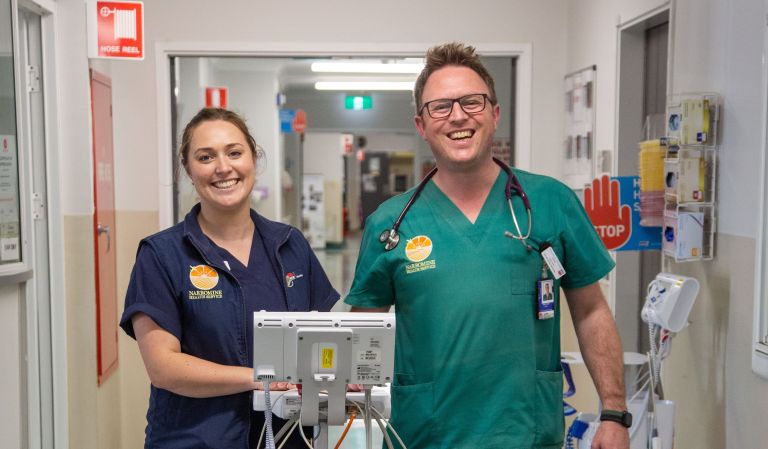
612, 221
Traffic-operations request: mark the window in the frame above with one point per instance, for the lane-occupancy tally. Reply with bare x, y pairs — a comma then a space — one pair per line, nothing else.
760, 332
10, 222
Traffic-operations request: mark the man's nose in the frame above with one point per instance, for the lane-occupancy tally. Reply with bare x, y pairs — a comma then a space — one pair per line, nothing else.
457, 112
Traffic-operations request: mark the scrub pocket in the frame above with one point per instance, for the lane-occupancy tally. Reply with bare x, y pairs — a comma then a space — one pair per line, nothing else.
412, 413
550, 421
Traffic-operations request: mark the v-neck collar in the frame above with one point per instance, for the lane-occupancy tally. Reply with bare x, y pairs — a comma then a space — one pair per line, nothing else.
232, 261
443, 206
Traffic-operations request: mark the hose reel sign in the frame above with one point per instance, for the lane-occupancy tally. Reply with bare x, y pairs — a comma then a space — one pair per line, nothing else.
116, 30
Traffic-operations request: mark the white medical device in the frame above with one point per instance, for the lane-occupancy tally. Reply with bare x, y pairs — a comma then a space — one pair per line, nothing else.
287, 404
669, 301
667, 307
323, 351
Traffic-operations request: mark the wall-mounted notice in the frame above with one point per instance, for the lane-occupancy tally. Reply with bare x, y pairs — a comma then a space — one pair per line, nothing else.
579, 143
313, 210
10, 229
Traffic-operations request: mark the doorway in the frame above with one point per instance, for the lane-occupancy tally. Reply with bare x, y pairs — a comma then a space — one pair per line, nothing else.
340, 139
642, 93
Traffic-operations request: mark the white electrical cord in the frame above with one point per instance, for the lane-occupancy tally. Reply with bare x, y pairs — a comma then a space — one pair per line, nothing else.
270, 443
390, 427
643, 411
387, 439
264, 426
288, 434
286, 429
379, 419
301, 432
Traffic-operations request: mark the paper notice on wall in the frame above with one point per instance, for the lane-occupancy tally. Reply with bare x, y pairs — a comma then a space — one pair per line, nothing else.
313, 210
9, 249
9, 200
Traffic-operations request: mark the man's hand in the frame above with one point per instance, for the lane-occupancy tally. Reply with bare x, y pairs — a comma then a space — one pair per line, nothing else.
611, 435
612, 221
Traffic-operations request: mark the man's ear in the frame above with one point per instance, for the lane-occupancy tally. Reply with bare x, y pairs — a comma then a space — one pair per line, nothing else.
419, 122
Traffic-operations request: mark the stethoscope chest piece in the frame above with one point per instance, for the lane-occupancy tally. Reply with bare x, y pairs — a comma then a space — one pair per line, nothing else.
390, 238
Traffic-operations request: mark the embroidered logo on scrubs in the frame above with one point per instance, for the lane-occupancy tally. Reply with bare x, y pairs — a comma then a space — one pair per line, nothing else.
417, 250
290, 277
203, 277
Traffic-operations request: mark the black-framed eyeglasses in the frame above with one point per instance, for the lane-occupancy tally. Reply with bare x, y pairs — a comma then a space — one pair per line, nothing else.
471, 104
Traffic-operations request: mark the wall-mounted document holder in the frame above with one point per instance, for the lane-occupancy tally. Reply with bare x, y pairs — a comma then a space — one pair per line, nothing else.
690, 169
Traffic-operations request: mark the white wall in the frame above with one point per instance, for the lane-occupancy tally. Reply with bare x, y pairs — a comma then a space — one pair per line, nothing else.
252, 94
717, 47
323, 154
74, 127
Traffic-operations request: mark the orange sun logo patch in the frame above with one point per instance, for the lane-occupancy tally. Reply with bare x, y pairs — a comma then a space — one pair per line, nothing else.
203, 277
418, 248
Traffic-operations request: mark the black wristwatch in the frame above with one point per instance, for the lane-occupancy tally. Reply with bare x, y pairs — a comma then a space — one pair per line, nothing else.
624, 418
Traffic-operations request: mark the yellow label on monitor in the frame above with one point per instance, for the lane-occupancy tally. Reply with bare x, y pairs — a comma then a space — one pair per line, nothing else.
326, 359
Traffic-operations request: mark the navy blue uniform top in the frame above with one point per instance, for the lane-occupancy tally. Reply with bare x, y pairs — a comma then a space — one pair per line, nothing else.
206, 298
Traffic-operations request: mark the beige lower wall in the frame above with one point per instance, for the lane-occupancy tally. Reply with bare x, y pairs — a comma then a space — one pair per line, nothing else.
110, 416
134, 385
11, 379
85, 421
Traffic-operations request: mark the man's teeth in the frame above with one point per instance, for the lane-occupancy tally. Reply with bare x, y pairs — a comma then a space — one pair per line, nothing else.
225, 184
460, 135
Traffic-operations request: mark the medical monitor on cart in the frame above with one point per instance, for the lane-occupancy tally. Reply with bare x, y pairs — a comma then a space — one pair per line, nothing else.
323, 352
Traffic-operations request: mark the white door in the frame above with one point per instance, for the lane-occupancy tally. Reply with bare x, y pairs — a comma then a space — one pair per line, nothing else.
37, 396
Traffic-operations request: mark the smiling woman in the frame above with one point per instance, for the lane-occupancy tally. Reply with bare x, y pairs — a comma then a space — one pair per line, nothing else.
195, 286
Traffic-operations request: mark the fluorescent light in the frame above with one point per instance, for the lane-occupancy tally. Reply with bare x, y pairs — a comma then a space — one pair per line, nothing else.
364, 85
367, 67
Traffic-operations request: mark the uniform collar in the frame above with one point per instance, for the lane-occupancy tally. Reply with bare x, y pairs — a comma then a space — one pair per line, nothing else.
272, 233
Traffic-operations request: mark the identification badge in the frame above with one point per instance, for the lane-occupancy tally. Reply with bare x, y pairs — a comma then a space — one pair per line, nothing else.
545, 299
550, 258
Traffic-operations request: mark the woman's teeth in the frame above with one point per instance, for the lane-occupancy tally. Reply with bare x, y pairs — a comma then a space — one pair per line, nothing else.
225, 184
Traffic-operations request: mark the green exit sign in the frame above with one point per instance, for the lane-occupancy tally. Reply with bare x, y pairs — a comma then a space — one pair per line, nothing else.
358, 102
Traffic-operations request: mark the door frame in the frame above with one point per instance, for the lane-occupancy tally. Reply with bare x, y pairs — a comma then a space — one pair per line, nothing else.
630, 47
164, 51
39, 432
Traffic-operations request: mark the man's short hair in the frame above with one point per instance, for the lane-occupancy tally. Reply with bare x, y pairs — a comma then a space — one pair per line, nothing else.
454, 53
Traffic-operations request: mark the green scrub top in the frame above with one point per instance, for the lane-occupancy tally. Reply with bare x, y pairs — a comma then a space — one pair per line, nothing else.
474, 368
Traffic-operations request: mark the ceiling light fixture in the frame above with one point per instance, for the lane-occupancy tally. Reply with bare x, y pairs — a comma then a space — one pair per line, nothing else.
367, 67
364, 85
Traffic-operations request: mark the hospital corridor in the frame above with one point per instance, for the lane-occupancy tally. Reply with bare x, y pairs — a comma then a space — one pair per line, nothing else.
242, 224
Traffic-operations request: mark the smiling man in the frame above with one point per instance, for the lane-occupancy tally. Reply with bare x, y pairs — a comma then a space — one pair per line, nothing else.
465, 262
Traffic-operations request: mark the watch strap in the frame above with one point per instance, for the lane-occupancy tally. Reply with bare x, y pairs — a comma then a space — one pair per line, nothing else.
622, 417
